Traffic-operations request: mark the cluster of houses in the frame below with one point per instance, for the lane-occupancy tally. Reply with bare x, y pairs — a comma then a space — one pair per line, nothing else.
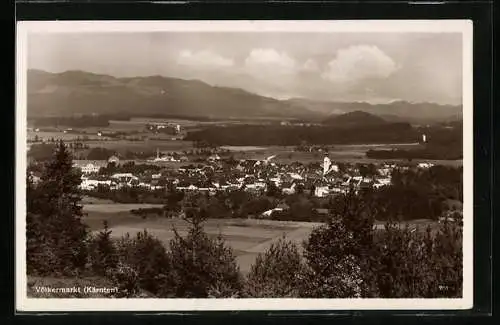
217, 174
320, 179
169, 128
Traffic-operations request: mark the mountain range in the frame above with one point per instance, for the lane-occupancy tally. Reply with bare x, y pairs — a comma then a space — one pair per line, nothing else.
80, 92
396, 111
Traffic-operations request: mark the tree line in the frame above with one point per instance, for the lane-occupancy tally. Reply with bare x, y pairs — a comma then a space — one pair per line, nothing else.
344, 258
261, 135
441, 144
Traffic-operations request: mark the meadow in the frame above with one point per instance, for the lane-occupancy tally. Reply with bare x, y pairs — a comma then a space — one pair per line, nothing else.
60, 135
340, 153
247, 237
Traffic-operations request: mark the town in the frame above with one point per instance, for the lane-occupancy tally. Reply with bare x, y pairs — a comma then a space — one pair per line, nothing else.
320, 179
250, 175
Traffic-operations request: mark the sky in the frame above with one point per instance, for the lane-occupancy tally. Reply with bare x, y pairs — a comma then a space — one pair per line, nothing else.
328, 66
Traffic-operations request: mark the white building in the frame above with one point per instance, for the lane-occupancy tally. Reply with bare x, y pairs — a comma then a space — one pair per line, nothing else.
295, 176
114, 159
126, 178
425, 165
321, 191
92, 184
326, 165
289, 190
214, 157
379, 182
268, 213
89, 167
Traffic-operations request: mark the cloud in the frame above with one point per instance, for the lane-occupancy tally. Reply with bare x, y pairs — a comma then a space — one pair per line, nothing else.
266, 61
359, 62
310, 66
203, 59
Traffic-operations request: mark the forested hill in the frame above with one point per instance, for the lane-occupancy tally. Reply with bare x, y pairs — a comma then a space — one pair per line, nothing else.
78, 92
353, 119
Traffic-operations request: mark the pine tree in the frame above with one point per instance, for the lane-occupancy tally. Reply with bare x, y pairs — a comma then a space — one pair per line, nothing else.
39, 253
58, 208
338, 251
103, 251
201, 266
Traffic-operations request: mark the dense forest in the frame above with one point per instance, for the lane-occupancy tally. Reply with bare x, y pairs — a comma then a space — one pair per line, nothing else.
430, 152
295, 135
442, 143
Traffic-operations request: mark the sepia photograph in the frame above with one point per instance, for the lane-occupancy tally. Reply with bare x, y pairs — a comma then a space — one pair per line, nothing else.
244, 165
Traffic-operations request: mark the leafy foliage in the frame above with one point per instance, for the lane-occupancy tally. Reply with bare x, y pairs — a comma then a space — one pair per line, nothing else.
277, 272
126, 278
147, 257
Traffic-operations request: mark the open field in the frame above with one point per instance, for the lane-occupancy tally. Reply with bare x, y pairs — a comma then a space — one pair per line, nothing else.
124, 145
242, 148
340, 153
117, 207
247, 237
86, 200
60, 135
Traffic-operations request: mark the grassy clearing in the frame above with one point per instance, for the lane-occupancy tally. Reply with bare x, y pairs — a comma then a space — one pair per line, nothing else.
148, 145
247, 237
92, 200
242, 148
42, 135
94, 220
117, 207
340, 153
